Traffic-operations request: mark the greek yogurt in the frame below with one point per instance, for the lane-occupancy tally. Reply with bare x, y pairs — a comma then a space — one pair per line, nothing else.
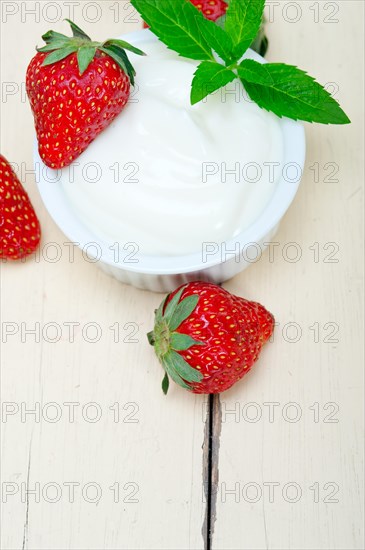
169, 176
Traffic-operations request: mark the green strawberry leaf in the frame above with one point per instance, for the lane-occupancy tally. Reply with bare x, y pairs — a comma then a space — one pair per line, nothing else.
287, 91
182, 368
57, 55
52, 36
76, 31
123, 45
181, 342
51, 46
175, 376
243, 21
172, 305
208, 78
165, 383
130, 69
117, 58
61, 46
159, 311
121, 58
182, 311
178, 24
151, 338
85, 55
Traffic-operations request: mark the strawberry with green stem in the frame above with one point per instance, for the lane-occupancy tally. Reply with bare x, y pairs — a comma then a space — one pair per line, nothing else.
76, 87
206, 338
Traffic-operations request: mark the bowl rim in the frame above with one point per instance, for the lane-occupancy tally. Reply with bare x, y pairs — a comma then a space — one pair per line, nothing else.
65, 217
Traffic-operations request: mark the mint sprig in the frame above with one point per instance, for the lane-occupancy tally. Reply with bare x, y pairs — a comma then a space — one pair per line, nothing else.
287, 91
282, 89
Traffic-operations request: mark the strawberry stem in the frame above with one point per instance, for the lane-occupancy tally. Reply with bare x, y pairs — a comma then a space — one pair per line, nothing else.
59, 46
168, 343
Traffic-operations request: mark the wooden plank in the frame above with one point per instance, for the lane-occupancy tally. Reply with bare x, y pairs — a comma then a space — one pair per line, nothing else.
145, 446
320, 454
137, 471
170, 511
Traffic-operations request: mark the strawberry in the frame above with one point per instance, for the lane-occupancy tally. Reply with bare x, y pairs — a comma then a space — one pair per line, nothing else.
206, 338
76, 88
211, 9
20, 229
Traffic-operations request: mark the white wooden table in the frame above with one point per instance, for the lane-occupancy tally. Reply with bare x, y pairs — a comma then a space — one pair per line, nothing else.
105, 461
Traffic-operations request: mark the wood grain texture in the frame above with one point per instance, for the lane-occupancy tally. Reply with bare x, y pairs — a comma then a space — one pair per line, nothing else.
152, 452
305, 366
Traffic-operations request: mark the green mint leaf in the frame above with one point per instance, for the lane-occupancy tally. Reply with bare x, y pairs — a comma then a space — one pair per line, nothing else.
85, 55
181, 342
183, 310
182, 368
57, 55
243, 21
287, 91
221, 21
178, 24
123, 45
208, 78
219, 40
261, 42
165, 383
76, 31
174, 375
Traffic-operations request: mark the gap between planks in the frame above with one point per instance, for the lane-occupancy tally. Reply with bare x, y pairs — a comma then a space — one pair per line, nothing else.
213, 425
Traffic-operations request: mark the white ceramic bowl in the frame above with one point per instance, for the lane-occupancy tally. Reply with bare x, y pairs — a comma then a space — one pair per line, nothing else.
163, 274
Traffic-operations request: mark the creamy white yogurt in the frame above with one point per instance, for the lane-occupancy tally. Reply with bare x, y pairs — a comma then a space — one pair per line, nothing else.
156, 176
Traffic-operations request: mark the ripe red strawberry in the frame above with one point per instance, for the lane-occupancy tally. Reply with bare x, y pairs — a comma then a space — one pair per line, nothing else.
20, 230
76, 88
206, 338
211, 9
